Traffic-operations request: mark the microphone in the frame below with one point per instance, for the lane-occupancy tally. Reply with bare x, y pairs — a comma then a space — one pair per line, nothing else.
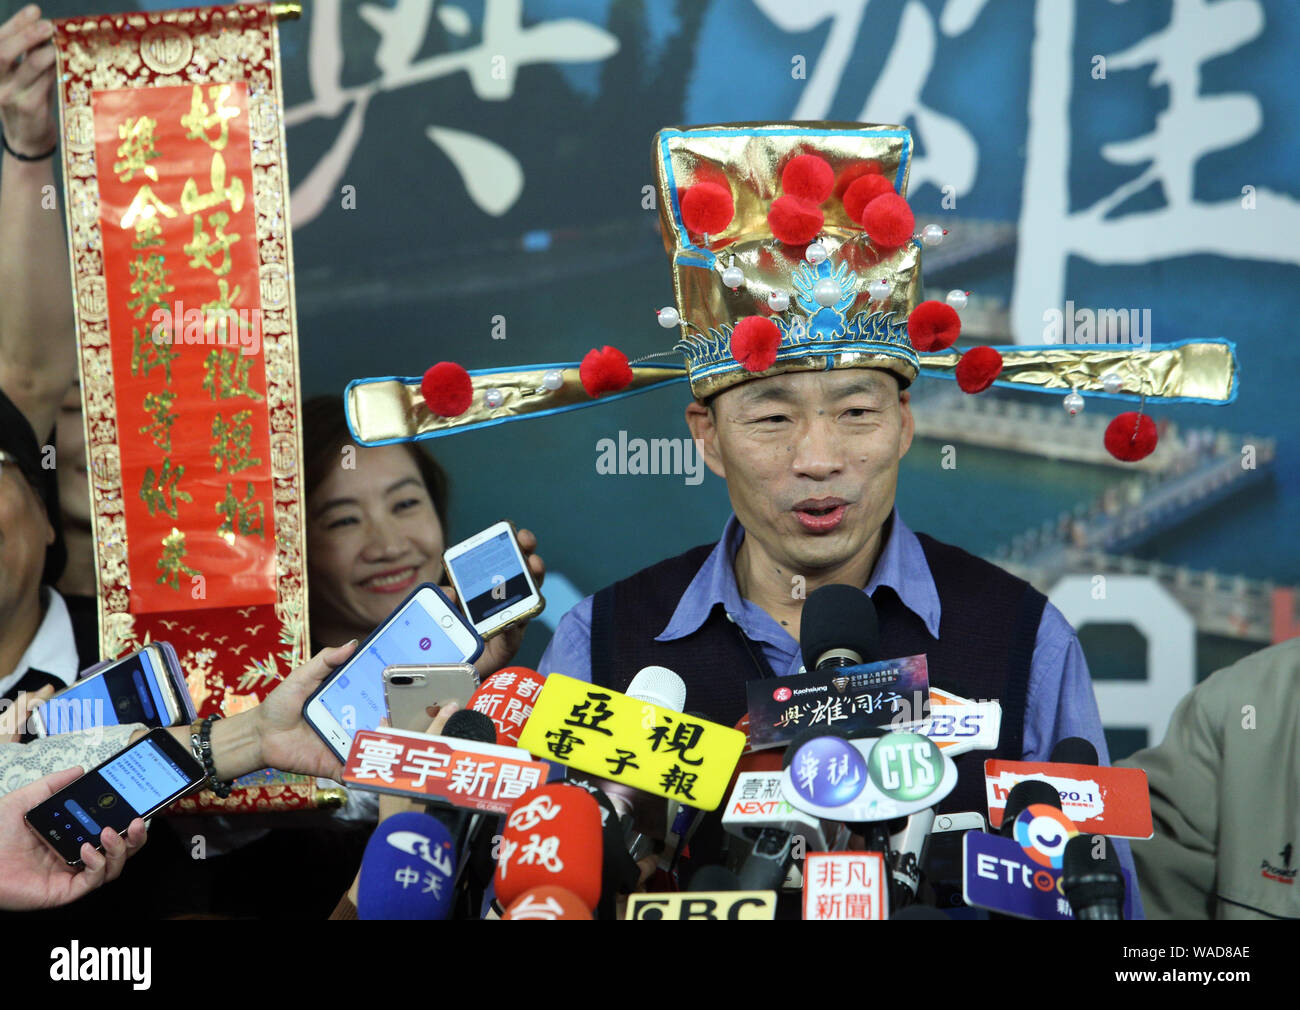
1094, 887
921, 912
1074, 750
547, 902
658, 685
507, 699
1024, 794
718, 878
408, 870
466, 826
552, 836
620, 873
907, 852
646, 818
838, 628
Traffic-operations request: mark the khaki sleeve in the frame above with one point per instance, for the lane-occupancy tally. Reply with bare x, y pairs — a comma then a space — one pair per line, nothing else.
1176, 868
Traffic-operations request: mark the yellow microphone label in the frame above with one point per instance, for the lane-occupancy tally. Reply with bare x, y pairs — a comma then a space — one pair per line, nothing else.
703, 905
610, 735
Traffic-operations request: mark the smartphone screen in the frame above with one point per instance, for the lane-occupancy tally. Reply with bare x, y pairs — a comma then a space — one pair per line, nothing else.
490, 577
126, 693
147, 775
355, 698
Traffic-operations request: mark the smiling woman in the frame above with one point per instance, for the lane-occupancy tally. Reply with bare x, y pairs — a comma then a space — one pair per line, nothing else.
375, 524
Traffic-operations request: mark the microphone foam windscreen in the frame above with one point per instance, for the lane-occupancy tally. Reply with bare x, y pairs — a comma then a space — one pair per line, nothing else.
408, 870
1074, 750
553, 836
920, 912
1026, 793
838, 617
1090, 871
714, 878
548, 902
658, 685
507, 699
466, 724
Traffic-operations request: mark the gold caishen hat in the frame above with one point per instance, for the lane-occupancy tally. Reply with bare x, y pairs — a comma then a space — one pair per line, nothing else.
793, 249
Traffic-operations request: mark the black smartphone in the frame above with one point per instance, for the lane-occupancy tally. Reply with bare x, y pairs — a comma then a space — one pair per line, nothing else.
135, 782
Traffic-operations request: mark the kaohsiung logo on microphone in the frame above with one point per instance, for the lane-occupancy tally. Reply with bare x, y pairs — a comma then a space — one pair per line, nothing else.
782, 694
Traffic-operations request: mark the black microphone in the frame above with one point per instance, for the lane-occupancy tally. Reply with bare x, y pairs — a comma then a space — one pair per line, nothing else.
1074, 750
920, 912
718, 878
1094, 885
475, 865
1024, 794
619, 871
838, 628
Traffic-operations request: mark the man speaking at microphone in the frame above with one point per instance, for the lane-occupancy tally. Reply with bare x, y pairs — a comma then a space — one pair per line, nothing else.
810, 450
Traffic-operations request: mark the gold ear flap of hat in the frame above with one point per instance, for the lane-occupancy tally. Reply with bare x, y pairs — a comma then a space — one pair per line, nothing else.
383, 411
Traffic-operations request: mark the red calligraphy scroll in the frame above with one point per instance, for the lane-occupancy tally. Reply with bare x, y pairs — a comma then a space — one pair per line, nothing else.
178, 196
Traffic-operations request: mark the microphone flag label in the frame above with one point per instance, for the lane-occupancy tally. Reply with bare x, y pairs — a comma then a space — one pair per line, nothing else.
703, 905
1100, 800
872, 779
844, 885
656, 750
1002, 875
957, 725
464, 773
847, 698
756, 803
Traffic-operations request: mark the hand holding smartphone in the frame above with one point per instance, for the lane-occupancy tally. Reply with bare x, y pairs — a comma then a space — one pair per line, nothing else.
136, 782
492, 581
425, 629
146, 687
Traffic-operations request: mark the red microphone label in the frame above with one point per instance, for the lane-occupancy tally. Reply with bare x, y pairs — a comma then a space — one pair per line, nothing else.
464, 773
844, 885
1099, 800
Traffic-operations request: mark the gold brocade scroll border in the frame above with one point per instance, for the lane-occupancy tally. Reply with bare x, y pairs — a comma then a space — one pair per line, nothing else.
240, 43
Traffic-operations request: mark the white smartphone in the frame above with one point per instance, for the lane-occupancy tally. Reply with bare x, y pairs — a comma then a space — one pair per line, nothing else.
137, 688
425, 628
491, 577
410, 691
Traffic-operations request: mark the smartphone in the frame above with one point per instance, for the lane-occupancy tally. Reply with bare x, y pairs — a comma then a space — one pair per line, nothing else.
137, 688
410, 691
136, 782
491, 577
942, 862
425, 628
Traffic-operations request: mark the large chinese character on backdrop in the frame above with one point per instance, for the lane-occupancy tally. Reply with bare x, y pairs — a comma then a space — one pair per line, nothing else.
177, 189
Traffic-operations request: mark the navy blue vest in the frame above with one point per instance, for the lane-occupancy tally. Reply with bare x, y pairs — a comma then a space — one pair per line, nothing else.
989, 623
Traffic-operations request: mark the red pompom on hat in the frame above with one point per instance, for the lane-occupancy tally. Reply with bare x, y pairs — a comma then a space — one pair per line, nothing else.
1131, 437
794, 221
932, 326
754, 343
604, 371
447, 389
707, 208
862, 192
809, 177
889, 221
978, 368
853, 173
